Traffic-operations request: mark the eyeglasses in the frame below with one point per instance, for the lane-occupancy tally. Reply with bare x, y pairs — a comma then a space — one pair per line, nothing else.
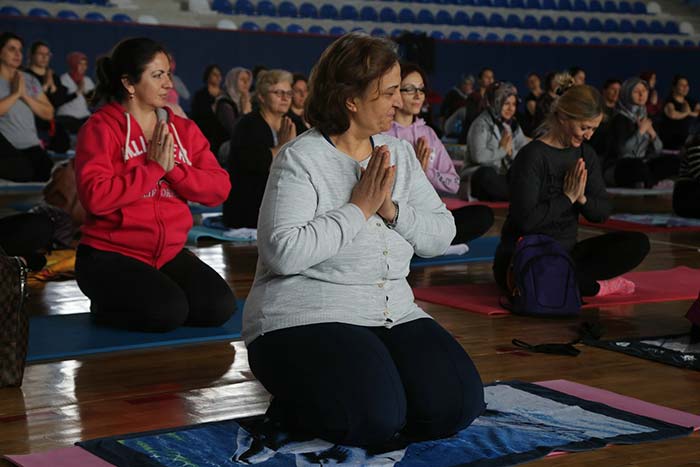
412, 90
279, 93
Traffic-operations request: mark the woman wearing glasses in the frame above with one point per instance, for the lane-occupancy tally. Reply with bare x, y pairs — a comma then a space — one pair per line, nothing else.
256, 140
471, 221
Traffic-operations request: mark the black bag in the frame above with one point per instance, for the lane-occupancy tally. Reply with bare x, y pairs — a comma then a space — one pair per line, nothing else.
14, 324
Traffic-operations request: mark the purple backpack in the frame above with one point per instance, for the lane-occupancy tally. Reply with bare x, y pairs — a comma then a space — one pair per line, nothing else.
543, 278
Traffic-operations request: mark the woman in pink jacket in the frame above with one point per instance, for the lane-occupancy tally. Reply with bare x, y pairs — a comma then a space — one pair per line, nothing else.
137, 166
471, 221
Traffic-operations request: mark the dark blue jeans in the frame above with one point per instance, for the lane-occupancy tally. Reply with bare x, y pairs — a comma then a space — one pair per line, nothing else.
361, 386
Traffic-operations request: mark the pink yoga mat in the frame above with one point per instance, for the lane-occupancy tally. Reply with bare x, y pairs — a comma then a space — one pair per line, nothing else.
617, 225
63, 457
455, 203
679, 283
628, 404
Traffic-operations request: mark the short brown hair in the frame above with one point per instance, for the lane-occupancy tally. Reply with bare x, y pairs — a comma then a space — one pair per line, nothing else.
345, 70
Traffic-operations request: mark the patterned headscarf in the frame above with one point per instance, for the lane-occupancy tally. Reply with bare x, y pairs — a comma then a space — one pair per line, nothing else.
496, 96
626, 106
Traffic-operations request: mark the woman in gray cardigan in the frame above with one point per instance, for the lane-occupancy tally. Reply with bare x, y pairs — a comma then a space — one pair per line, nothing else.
332, 329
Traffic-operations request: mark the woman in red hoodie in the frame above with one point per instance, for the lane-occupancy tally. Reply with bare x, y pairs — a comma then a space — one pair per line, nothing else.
137, 165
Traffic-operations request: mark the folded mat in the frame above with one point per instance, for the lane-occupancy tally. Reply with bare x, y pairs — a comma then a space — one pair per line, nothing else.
456, 203
197, 208
646, 223
60, 265
480, 250
7, 186
65, 336
680, 283
198, 232
523, 422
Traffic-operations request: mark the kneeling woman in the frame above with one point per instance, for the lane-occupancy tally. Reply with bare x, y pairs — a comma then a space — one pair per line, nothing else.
686, 191
137, 165
556, 178
332, 329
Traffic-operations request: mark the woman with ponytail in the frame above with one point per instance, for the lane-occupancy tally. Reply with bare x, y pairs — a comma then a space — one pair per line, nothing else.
137, 165
556, 178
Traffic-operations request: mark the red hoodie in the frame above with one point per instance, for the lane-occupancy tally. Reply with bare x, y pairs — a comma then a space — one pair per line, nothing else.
133, 207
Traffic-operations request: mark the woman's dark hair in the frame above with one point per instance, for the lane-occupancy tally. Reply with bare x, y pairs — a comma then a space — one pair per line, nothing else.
208, 70
610, 82
299, 77
408, 67
574, 70
36, 45
677, 78
344, 71
5, 37
128, 59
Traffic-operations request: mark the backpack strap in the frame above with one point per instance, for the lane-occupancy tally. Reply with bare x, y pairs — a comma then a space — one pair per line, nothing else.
587, 331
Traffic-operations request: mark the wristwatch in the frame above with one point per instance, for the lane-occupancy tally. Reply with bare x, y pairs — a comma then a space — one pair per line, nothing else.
392, 223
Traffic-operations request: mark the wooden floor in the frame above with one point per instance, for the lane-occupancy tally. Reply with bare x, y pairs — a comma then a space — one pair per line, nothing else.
67, 401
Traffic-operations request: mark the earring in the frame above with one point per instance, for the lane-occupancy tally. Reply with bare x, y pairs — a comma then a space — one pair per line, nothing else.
131, 95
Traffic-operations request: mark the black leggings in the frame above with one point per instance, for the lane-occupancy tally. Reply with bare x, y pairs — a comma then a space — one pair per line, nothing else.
24, 165
632, 172
488, 185
686, 198
471, 222
360, 386
130, 294
598, 258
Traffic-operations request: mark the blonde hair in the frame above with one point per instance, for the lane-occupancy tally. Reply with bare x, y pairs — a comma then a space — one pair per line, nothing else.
582, 102
268, 78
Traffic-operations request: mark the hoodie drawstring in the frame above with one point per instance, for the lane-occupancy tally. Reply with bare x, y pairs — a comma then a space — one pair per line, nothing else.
128, 135
183, 152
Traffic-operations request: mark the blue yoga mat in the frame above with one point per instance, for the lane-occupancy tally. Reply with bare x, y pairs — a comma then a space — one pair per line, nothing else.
202, 231
28, 187
522, 422
202, 209
63, 336
482, 249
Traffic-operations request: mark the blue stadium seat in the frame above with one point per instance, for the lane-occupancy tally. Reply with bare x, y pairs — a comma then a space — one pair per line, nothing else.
492, 37
533, 4
308, 10
626, 26
500, 3
580, 5
674, 43
562, 24
122, 18
99, 2
595, 6
266, 8
438, 35
273, 27
67, 14
9, 10
595, 25
387, 15
316, 29
39, 13
461, 19
369, 13
656, 27
530, 22
328, 11
378, 32
544, 39
595, 41
579, 24
287, 10
671, 27
610, 25
349, 12
244, 7
397, 32
514, 21
456, 36
546, 22
641, 26
549, 5
425, 17
496, 20
517, 3
479, 20
527, 38
578, 40
484, 3
222, 6
250, 26
561, 40
565, 5
295, 28
659, 42
643, 42
336, 31
613, 41
609, 6
474, 36
510, 37
95, 16
406, 15
443, 17
689, 43
624, 7
626, 41
639, 8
